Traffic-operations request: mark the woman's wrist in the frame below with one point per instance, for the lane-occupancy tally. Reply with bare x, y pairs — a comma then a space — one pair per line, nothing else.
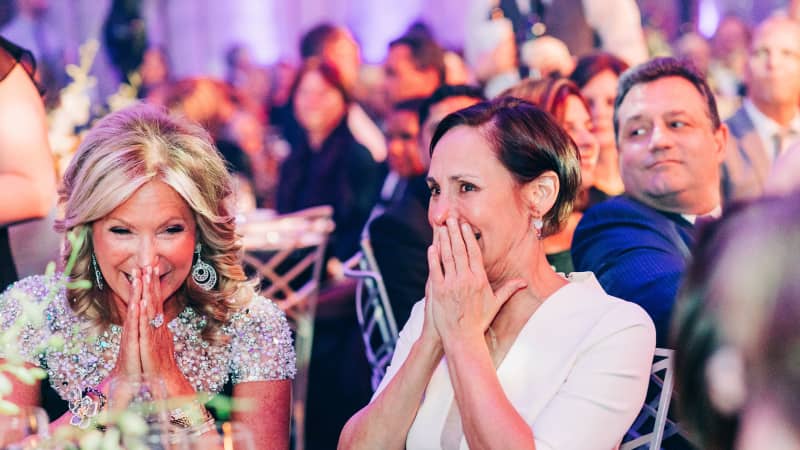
191, 419
190, 414
178, 386
458, 342
104, 384
430, 345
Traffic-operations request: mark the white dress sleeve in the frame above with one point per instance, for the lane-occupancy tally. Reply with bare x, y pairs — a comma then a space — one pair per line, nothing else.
606, 387
408, 335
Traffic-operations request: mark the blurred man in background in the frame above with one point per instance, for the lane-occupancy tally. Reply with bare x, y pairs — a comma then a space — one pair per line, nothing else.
769, 120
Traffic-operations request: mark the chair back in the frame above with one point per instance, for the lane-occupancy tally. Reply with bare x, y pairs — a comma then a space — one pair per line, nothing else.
287, 253
373, 311
652, 424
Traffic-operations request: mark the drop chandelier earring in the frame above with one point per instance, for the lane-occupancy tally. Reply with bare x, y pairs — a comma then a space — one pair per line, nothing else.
203, 273
537, 224
98, 276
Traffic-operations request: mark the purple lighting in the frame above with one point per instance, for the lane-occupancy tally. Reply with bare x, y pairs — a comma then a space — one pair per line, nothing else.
708, 17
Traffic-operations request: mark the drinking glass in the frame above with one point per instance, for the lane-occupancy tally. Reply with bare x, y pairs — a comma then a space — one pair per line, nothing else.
146, 397
237, 436
27, 429
229, 436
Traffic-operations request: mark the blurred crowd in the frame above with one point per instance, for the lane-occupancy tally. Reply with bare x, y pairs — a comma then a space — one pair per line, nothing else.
252, 110
249, 107
333, 130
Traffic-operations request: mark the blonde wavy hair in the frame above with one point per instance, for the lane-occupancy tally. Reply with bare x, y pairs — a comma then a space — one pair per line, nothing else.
122, 152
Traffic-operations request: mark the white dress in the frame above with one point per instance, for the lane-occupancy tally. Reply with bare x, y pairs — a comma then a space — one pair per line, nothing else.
577, 372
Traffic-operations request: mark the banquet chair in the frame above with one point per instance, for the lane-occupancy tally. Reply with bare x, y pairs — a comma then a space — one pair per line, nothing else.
652, 424
286, 254
373, 311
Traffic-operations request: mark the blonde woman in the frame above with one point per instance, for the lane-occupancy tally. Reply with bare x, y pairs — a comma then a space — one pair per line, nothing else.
169, 298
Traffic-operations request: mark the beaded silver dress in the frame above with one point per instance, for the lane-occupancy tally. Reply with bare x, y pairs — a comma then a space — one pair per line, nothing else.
75, 357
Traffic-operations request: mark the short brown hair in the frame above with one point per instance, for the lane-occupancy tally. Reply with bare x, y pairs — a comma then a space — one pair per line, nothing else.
528, 142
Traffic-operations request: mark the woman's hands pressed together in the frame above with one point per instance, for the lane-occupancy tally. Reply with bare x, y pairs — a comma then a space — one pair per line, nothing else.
129, 362
144, 347
460, 302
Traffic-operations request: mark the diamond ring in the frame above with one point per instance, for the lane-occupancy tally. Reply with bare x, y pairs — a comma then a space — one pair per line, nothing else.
157, 321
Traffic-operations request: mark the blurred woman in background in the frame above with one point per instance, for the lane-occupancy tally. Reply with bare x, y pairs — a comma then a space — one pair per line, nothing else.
562, 99
156, 77
326, 165
596, 75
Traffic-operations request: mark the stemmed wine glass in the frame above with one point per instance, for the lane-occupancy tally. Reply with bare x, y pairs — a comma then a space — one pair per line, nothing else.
145, 397
28, 428
230, 436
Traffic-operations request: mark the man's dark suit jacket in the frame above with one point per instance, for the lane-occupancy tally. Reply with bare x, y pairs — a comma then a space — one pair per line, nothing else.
400, 237
637, 253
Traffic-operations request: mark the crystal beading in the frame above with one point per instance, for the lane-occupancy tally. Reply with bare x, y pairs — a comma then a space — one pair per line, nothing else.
259, 348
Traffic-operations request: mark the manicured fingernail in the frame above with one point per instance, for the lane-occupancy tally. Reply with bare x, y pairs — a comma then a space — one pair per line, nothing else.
451, 221
156, 271
465, 227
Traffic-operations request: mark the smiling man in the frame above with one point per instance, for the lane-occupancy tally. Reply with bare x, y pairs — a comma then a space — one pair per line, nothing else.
671, 143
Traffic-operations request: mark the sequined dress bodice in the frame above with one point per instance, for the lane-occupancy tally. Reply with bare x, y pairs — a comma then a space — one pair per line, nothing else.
259, 347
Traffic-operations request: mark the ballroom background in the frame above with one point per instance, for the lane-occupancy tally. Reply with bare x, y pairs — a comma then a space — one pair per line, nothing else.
201, 30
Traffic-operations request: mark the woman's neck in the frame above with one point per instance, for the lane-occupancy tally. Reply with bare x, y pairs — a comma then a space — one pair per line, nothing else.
541, 281
173, 306
316, 139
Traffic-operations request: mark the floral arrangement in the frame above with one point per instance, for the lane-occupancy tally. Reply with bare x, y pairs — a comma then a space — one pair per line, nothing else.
68, 121
74, 108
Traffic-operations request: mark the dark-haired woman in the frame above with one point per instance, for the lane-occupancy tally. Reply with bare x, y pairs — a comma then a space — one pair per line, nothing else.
563, 100
503, 352
327, 166
597, 75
